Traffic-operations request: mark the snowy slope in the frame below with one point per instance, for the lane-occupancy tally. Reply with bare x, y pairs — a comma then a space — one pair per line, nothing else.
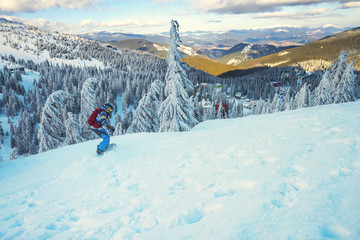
288, 175
31, 43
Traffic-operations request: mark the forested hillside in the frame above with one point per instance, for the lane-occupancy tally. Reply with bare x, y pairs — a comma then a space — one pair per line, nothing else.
64, 62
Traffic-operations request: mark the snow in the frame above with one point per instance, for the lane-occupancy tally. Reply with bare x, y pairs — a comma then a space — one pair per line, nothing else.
277, 63
283, 53
233, 61
247, 49
187, 50
287, 175
161, 48
29, 78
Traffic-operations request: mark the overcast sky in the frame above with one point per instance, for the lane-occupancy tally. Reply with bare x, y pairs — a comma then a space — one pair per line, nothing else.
154, 16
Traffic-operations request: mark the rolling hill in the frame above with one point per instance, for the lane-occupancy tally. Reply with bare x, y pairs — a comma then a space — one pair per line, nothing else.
142, 45
243, 52
207, 65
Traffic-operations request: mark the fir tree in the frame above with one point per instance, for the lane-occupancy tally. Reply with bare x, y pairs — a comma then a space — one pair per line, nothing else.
237, 109
257, 110
72, 127
275, 104
288, 101
174, 59
88, 103
52, 131
146, 117
118, 129
176, 112
302, 97
323, 93
209, 111
338, 69
345, 91
118, 126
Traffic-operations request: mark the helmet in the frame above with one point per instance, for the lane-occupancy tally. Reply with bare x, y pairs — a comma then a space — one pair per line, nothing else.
109, 107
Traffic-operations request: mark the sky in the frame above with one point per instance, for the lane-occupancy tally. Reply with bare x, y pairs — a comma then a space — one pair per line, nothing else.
154, 16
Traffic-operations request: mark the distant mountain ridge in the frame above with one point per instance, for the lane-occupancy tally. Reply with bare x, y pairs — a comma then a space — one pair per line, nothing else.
4, 20
277, 35
323, 51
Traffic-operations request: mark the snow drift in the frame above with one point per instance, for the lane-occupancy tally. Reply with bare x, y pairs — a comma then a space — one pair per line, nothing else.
288, 175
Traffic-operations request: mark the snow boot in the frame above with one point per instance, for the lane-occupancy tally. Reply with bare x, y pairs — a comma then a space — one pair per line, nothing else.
99, 151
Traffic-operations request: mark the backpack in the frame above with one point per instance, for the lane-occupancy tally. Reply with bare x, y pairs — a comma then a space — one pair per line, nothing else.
92, 119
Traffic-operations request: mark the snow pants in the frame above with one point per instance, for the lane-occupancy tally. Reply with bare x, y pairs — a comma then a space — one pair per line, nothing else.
105, 136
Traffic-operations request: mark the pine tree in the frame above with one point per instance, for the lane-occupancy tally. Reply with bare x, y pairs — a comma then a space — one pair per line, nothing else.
338, 69
234, 109
118, 129
118, 126
88, 103
72, 127
174, 59
237, 109
52, 131
209, 111
288, 102
146, 117
257, 110
176, 112
275, 104
302, 97
345, 91
128, 118
323, 93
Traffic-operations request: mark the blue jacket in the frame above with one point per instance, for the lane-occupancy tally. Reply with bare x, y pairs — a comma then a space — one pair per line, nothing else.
103, 118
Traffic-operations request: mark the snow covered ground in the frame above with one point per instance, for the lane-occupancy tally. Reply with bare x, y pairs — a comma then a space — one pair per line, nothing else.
288, 175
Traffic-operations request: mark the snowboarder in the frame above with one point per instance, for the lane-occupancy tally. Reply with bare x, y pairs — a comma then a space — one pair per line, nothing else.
100, 123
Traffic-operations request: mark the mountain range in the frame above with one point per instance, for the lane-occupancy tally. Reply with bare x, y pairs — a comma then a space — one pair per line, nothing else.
217, 53
216, 45
321, 52
278, 35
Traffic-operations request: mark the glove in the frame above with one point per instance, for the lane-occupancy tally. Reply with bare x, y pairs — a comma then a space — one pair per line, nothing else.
110, 129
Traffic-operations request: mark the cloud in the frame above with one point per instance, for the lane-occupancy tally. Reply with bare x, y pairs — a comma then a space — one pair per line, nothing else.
128, 23
40, 23
350, 5
86, 23
311, 14
251, 6
36, 5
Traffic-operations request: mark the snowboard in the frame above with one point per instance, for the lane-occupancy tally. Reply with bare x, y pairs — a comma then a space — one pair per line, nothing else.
110, 147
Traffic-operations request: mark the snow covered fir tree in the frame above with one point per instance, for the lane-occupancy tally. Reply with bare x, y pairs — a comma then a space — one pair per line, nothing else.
176, 112
45, 105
